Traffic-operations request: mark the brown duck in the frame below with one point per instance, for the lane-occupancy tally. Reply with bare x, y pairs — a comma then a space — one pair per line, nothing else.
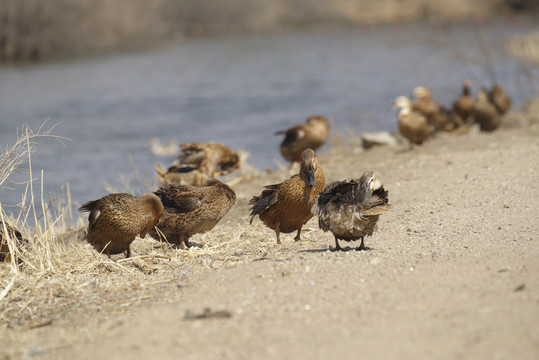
13, 234
437, 114
351, 208
116, 219
181, 176
209, 158
463, 106
192, 210
412, 125
501, 101
309, 135
199, 162
286, 207
485, 112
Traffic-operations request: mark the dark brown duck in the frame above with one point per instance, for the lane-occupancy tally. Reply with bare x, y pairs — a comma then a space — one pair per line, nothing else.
463, 106
198, 163
436, 113
501, 101
8, 231
116, 219
192, 210
286, 207
485, 112
311, 134
412, 124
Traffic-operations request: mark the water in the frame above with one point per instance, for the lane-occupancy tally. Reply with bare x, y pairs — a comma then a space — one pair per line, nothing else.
238, 92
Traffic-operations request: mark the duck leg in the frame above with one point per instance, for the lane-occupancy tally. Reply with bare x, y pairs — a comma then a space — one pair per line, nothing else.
278, 232
128, 252
361, 246
298, 235
337, 246
183, 242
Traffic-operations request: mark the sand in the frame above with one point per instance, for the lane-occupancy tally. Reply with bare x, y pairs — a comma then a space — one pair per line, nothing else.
451, 273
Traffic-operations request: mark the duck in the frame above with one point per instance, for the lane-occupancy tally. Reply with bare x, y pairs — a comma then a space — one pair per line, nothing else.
412, 124
209, 158
501, 101
116, 219
181, 176
199, 162
287, 206
350, 208
191, 210
14, 235
463, 106
311, 134
485, 112
436, 114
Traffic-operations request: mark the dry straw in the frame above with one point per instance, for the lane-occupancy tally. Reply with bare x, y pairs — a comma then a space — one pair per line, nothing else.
56, 272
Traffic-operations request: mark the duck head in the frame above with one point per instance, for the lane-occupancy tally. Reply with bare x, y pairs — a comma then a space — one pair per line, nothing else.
466, 86
309, 164
402, 103
370, 183
317, 120
421, 92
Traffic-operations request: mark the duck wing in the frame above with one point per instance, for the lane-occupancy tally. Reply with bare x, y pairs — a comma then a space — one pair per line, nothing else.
346, 192
269, 196
292, 135
179, 198
192, 154
377, 204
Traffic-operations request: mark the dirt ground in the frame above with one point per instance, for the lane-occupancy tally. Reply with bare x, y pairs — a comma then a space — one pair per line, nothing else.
451, 273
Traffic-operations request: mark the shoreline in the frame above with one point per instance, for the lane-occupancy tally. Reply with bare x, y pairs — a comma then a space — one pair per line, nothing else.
451, 271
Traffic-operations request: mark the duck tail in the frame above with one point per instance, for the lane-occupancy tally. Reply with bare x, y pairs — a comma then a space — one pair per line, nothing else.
251, 218
89, 206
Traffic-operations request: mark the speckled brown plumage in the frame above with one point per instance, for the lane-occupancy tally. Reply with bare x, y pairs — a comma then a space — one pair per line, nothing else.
116, 219
412, 125
485, 113
14, 234
192, 210
198, 163
350, 208
286, 207
463, 106
436, 114
309, 135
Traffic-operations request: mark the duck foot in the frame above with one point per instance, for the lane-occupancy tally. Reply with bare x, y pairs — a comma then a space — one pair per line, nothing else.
298, 235
337, 246
278, 233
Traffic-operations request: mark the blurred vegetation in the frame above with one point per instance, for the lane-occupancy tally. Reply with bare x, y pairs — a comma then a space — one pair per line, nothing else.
40, 29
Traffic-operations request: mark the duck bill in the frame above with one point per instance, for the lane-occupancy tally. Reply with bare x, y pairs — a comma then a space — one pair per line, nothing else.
310, 178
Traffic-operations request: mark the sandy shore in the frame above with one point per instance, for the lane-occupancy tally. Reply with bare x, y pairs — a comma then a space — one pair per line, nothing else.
451, 273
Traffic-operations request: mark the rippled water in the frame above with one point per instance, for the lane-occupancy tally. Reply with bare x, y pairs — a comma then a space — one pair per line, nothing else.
238, 92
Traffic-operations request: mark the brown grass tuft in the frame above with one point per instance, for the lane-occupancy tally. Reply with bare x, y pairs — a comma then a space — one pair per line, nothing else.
58, 273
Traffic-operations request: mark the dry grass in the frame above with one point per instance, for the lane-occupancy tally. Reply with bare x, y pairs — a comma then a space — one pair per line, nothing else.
63, 281
57, 272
